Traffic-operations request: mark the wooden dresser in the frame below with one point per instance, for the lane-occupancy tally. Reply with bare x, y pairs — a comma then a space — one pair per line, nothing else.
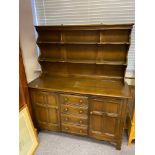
81, 89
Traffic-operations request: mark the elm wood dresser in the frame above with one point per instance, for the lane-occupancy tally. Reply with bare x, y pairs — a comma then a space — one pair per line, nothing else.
81, 89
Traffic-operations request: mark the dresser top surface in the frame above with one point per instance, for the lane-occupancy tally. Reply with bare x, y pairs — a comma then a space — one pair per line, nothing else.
82, 85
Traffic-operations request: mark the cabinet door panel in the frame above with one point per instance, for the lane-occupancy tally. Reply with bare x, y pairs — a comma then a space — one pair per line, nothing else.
109, 125
53, 116
104, 116
38, 97
106, 105
103, 125
97, 106
96, 123
112, 107
45, 105
51, 100
41, 114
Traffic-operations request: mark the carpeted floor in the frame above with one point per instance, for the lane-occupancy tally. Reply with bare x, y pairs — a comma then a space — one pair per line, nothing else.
65, 144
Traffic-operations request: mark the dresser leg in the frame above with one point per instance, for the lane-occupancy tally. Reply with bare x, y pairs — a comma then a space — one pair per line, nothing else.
118, 145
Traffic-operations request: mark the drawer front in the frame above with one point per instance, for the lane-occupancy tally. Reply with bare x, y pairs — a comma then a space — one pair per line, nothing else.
74, 129
66, 109
74, 100
74, 120
109, 106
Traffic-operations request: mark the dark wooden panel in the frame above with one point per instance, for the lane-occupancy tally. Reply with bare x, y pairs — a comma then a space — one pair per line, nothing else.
47, 36
96, 123
41, 114
81, 36
116, 53
50, 51
53, 116
107, 105
115, 35
81, 69
46, 109
51, 99
81, 52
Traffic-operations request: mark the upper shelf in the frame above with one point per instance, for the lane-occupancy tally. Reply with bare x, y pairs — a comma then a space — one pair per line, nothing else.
85, 27
85, 43
84, 61
84, 50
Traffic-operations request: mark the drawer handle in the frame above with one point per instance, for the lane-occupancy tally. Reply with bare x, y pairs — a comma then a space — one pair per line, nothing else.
80, 131
66, 99
66, 128
80, 111
66, 119
66, 109
81, 101
81, 121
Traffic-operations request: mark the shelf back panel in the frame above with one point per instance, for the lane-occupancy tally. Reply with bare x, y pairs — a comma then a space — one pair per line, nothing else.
80, 69
115, 35
81, 36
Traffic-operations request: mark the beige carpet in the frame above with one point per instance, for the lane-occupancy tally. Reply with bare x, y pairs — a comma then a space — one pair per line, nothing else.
65, 144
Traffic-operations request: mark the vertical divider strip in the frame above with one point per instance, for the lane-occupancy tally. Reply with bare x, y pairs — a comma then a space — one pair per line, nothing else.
99, 52
63, 51
127, 49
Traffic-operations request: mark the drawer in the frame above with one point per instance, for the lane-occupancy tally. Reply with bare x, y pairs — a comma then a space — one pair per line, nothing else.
106, 105
74, 120
74, 100
74, 129
67, 109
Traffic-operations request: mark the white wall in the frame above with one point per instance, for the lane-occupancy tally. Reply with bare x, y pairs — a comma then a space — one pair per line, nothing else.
27, 39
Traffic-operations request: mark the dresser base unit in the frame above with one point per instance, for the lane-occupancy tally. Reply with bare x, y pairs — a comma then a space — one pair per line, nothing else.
83, 112
81, 89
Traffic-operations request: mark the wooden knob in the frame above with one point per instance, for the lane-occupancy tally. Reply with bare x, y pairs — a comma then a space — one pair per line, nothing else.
66, 128
80, 131
81, 121
80, 111
81, 101
66, 109
66, 119
66, 99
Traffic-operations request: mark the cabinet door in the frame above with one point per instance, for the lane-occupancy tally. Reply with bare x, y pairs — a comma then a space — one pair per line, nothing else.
46, 110
104, 118
53, 111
